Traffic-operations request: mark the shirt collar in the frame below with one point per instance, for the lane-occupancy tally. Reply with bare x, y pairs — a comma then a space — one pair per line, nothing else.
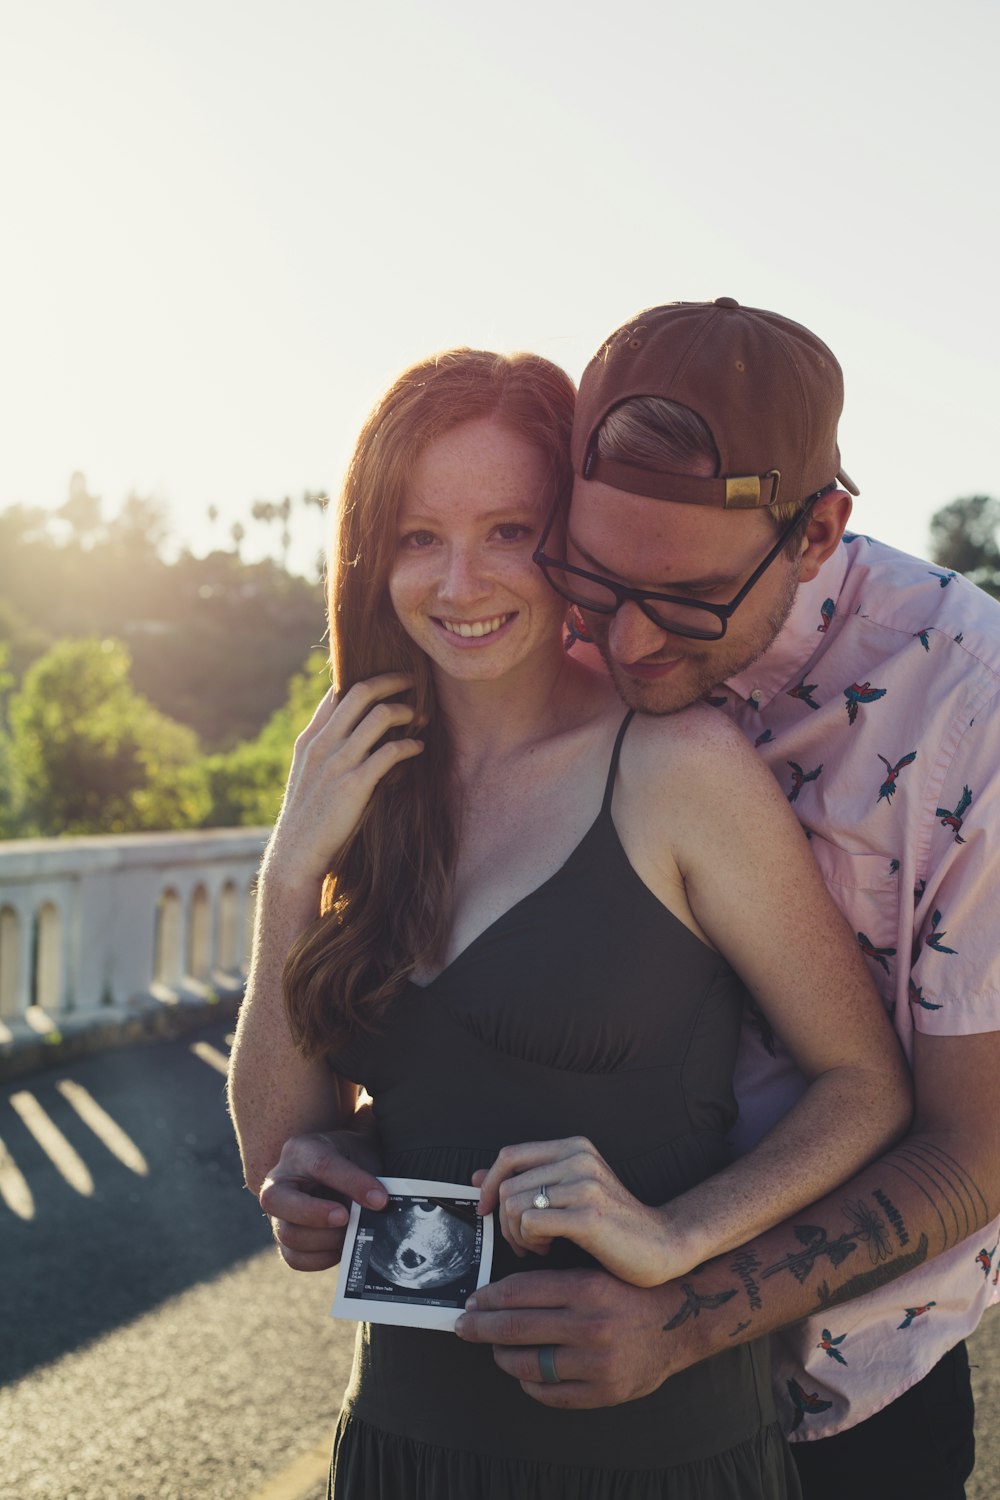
796, 641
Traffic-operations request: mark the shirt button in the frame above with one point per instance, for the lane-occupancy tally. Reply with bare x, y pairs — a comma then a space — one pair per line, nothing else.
756, 695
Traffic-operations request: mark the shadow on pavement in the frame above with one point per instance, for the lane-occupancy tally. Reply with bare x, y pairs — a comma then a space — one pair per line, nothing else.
120, 1186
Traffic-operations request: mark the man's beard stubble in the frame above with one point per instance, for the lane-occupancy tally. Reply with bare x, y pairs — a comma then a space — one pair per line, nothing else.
703, 669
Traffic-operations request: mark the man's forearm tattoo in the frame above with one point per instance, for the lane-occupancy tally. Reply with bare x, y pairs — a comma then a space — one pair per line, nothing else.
873, 1225
867, 1227
893, 1214
745, 1265
869, 1281
694, 1304
956, 1199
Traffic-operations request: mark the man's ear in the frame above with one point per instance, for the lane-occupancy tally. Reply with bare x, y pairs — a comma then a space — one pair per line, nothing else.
823, 532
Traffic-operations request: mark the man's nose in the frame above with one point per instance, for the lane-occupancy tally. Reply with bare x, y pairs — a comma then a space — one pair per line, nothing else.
632, 635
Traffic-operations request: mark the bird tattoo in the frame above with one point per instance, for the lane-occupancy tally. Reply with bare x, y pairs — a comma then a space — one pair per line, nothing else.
693, 1304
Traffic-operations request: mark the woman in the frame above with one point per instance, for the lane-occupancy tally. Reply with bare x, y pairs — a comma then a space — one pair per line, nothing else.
530, 906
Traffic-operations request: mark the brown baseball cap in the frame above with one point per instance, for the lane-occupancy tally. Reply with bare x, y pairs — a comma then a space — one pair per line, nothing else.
770, 391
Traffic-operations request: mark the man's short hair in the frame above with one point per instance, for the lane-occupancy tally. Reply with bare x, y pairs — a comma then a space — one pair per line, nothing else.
665, 437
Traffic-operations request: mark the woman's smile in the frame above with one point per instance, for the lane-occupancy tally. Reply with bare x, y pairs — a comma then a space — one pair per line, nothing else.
475, 628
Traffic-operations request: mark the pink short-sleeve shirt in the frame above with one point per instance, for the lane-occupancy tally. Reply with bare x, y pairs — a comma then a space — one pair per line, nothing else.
877, 709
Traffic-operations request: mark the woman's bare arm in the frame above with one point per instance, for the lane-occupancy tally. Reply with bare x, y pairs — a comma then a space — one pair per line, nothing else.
755, 891
274, 1092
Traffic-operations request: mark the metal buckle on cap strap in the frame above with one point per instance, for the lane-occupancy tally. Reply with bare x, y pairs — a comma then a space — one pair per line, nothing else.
743, 491
739, 492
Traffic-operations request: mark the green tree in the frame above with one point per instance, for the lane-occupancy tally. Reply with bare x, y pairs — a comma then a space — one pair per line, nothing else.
94, 755
10, 790
964, 539
82, 512
10, 782
140, 527
247, 782
223, 644
213, 641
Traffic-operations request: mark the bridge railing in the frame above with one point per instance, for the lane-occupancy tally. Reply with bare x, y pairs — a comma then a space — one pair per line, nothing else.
90, 925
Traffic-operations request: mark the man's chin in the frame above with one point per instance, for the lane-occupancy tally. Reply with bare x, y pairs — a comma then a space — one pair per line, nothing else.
658, 697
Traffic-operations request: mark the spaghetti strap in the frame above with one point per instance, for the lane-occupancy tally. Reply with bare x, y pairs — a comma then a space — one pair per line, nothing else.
613, 767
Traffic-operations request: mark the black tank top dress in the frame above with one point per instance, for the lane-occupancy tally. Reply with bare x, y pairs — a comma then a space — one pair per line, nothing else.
586, 1009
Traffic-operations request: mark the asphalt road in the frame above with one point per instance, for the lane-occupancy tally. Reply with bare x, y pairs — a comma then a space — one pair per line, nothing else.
152, 1346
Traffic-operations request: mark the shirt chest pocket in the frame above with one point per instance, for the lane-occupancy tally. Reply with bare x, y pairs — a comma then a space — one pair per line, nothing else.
866, 889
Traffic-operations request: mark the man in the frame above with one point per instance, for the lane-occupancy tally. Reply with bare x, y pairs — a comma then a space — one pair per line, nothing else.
704, 551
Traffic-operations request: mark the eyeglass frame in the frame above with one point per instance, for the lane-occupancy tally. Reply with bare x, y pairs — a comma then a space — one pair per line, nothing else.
623, 592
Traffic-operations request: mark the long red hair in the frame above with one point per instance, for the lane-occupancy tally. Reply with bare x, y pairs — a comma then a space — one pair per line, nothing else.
387, 904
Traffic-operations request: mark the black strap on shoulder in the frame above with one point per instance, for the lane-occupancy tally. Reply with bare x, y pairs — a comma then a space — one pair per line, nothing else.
616, 752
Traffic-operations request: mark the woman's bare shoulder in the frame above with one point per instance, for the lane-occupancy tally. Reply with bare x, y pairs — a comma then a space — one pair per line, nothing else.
686, 737
685, 761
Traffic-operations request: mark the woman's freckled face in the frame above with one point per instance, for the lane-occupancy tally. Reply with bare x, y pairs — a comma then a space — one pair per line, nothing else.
463, 584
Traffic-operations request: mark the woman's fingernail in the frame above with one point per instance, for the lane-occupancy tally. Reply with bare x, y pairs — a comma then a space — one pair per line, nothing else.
471, 1304
377, 1198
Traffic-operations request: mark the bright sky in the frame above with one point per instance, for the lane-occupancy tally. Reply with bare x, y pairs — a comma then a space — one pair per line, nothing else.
229, 223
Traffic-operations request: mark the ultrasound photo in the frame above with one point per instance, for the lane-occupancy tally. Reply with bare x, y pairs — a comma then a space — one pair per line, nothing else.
417, 1260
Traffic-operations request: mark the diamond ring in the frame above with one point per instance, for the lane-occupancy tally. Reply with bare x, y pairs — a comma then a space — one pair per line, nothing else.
541, 1199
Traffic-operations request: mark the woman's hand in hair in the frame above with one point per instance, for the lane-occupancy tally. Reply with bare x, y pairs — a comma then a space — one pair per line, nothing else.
340, 758
586, 1204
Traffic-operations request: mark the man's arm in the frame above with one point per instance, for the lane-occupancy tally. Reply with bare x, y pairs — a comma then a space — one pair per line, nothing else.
615, 1343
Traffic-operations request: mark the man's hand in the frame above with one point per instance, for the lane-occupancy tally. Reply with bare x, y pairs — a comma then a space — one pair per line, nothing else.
610, 1346
307, 1196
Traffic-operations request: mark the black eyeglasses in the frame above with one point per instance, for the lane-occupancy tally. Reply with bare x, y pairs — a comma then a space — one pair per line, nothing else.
689, 617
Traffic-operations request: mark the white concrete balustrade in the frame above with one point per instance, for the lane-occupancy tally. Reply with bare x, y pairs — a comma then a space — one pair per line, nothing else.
89, 926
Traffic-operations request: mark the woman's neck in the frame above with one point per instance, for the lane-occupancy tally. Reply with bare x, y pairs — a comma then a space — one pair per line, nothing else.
491, 722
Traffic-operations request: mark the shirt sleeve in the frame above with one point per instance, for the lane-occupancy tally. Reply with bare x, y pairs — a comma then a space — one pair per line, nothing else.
954, 986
